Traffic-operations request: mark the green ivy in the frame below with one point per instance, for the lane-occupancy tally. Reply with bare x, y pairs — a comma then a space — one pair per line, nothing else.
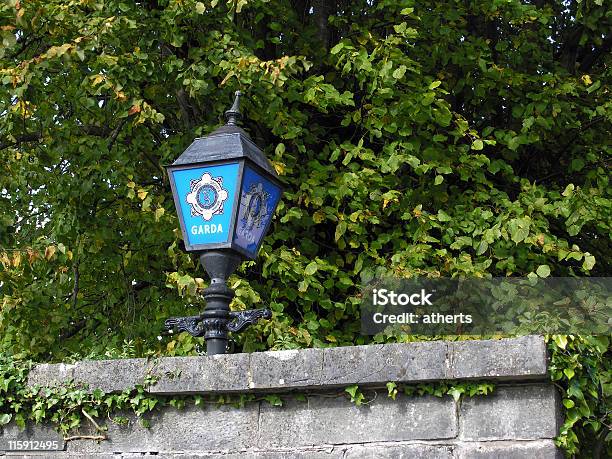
581, 367
455, 389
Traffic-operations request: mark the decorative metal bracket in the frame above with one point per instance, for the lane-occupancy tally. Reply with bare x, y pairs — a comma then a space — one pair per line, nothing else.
242, 319
190, 324
199, 326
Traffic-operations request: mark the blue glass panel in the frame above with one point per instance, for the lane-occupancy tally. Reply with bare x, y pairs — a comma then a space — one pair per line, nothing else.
206, 196
258, 200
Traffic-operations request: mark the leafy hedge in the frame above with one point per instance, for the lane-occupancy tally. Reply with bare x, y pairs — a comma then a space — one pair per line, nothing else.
446, 139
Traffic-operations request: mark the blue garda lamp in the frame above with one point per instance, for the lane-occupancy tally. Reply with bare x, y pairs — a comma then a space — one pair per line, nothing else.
225, 192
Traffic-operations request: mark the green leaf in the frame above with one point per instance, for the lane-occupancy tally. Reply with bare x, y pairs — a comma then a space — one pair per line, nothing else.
438, 180
311, 268
519, 229
352, 390
543, 271
456, 393
399, 73
477, 145
482, 247
514, 143
589, 261
443, 216
5, 419
561, 341
594, 87
336, 49
340, 230
569, 190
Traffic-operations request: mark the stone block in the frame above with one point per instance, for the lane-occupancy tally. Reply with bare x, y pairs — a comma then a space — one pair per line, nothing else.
526, 412
375, 365
192, 429
51, 374
539, 449
515, 358
184, 375
335, 420
32, 432
292, 369
406, 451
111, 375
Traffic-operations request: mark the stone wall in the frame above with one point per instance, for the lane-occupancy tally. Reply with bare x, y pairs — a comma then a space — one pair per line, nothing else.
519, 420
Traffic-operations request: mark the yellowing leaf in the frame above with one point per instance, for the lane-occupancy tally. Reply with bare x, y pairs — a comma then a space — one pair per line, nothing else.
6, 261
16, 259
97, 79
50, 251
134, 109
279, 167
239, 5
318, 216
200, 8
340, 230
142, 194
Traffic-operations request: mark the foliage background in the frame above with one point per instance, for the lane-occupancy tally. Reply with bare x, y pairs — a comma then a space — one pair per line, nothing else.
457, 138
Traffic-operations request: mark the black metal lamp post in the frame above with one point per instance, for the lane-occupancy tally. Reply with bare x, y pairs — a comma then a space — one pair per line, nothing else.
225, 192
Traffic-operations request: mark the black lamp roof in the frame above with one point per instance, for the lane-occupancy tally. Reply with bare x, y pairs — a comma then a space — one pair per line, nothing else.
227, 142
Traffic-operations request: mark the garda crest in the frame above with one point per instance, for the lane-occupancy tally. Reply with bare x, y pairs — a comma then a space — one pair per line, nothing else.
206, 196
256, 202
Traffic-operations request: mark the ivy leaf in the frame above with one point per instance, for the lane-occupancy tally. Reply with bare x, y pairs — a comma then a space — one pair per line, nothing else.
519, 229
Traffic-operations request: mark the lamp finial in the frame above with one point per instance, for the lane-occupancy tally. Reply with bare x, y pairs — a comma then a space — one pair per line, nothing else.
233, 115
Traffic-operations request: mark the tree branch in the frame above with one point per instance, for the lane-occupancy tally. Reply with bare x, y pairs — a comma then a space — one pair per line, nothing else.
30, 137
